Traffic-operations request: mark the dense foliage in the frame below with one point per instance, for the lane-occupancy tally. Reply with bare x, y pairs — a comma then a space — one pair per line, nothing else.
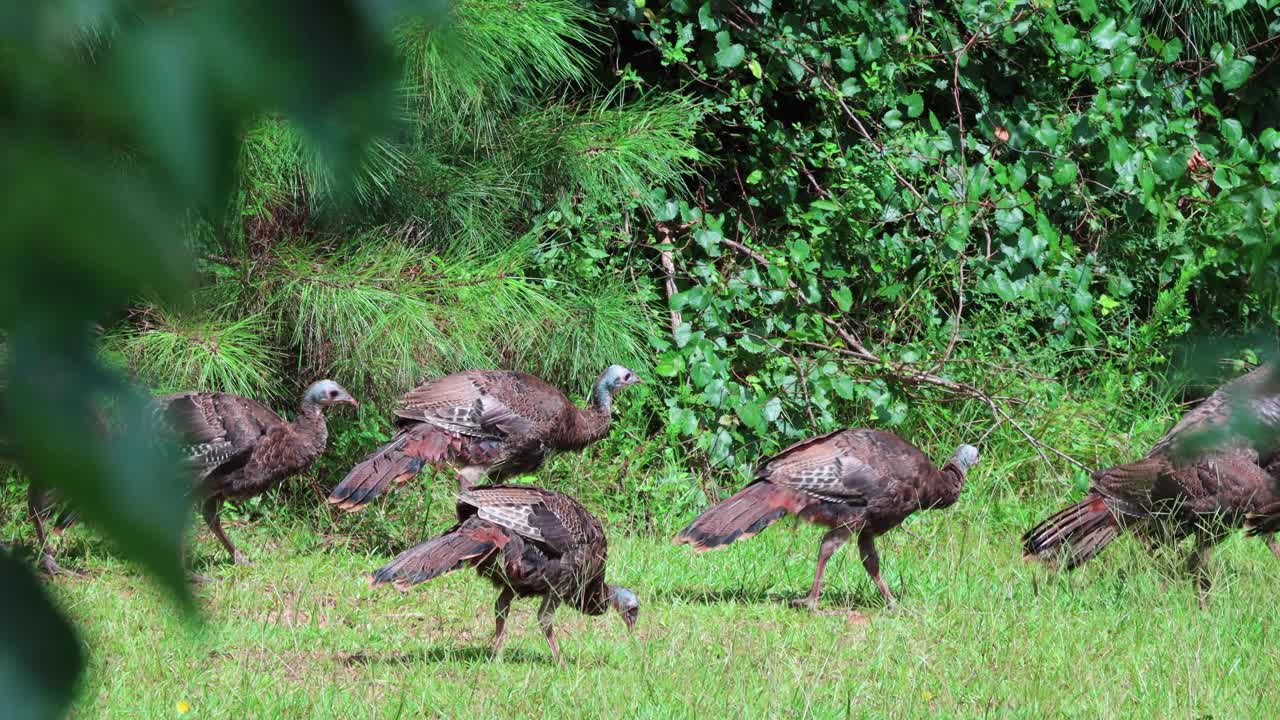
794, 217
945, 217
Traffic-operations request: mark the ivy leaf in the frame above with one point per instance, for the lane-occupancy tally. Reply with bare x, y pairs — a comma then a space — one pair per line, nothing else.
1172, 50
773, 409
1234, 73
755, 68
915, 105
730, 54
750, 415
1170, 166
707, 17
1232, 131
843, 386
893, 119
709, 241
1065, 173
682, 334
844, 298
1106, 36
1009, 220
668, 365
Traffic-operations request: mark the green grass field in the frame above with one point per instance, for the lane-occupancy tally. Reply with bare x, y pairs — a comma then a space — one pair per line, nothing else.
979, 633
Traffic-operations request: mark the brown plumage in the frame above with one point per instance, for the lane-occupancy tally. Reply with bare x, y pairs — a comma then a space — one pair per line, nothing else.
852, 481
1244, 412
1265, 522
238, 448
488, 423
527, 542
1200, 480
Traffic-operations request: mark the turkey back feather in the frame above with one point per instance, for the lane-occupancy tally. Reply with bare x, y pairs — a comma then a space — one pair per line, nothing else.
415, 447
751, 510
467, 543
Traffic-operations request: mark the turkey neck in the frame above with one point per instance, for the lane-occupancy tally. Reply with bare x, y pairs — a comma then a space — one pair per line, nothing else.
310, 422
945, 487
591, 423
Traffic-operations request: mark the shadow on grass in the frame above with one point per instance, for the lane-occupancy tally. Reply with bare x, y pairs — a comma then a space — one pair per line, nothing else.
444, 654
868, 599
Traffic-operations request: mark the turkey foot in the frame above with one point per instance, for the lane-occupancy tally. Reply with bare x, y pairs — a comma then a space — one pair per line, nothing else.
808, 602
51, 567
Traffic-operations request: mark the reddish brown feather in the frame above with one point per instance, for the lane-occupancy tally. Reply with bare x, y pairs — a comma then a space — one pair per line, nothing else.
746, 513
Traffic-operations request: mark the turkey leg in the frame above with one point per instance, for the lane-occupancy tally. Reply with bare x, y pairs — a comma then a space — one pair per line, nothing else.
1197, 564
830, 543
500, 610
871, 561
210, 508
1271, 543
546, 615
36, 511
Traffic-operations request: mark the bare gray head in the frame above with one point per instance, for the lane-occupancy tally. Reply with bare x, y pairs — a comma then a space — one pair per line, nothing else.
627, 605
613, 379
965, 457
323, 393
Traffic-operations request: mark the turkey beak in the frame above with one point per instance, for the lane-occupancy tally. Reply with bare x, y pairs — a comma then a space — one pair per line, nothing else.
352, 402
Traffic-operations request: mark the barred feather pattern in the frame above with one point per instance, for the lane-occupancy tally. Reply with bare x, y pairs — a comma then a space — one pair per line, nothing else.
534, 541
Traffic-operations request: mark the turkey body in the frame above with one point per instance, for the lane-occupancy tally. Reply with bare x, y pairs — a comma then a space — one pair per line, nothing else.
528, 542
858, 481
1201, 480
489, 423
238, 448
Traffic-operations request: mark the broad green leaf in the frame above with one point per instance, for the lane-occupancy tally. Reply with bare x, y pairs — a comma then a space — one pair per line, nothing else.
1064, 172
750, 414
915, 105
893, 119
843, 298
40, 656
1234, 73
1106, 36
729, 54
683, 332
1232, 131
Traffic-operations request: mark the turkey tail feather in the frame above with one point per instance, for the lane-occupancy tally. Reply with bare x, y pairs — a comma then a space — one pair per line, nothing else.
464, 544
397, 461
1265, 522
1074, 534
751, 510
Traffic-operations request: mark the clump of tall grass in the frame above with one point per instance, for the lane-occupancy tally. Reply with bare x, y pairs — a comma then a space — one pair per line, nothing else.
382, 315
621, 151
205, 351
1203, 24
468, 73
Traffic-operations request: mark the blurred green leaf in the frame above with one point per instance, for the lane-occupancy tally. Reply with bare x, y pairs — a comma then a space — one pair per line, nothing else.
40, 656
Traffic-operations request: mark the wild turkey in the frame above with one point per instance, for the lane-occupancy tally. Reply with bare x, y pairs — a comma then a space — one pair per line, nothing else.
239, 447
492, 423
528, 542
1164, 503
1201, 479
852, 481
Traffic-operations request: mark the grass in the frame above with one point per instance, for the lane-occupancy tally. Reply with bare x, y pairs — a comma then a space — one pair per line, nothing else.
979, 632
